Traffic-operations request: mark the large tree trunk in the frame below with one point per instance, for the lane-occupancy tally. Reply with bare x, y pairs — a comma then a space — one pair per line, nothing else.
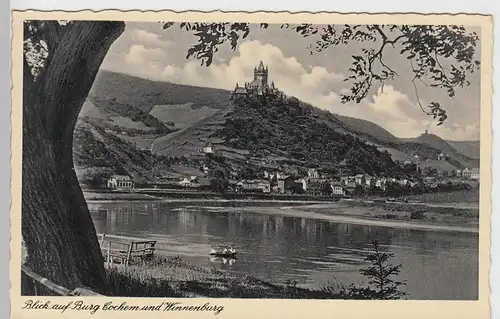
57, 229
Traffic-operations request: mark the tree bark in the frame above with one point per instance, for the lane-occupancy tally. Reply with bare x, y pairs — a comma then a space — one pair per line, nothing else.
57, 228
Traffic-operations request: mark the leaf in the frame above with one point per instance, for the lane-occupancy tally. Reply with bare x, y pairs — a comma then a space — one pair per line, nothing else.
168, 25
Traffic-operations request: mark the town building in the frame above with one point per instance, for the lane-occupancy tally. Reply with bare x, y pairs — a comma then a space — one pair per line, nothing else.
185, 182
344, 180
474, 173
380, 183
120, 182
407, 162
302, 182
256, 186
208, 148
205, 169
337, 189
317, 188
259, 86
281, 185
369, 180
442, 157
312, 173
360, 179
466, 173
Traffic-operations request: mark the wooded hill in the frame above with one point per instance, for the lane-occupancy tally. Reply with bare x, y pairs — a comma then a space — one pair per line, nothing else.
128, 125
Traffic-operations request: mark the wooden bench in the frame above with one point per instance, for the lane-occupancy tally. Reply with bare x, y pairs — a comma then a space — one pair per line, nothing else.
126, 250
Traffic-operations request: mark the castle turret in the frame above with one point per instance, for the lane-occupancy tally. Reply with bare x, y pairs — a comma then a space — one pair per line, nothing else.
261, 67
260, 75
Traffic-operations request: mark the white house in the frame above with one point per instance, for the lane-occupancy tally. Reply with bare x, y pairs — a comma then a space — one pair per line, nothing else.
312, 173
120, 182
337, 188
208, 149
466, 173
474, 173
262, 185
369, 180
360, 179
380, 183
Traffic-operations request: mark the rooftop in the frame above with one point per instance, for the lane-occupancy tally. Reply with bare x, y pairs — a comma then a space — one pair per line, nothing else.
122, 177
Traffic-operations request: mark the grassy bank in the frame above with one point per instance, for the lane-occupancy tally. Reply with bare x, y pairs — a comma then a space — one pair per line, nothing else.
469, 196
172, 277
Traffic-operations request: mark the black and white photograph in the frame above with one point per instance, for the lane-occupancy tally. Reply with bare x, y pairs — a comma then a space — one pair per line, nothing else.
253, 160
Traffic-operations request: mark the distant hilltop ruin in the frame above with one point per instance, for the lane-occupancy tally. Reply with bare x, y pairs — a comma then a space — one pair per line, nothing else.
259, 86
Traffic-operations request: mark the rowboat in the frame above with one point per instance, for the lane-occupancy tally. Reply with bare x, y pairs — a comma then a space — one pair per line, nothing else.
226, 253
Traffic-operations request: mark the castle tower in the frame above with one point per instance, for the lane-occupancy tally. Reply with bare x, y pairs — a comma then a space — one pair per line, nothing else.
260, 74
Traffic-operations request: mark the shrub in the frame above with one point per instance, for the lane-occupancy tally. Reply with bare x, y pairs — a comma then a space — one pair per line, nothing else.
380, 285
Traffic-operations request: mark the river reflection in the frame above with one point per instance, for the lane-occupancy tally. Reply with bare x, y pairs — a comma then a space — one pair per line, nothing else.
436, 264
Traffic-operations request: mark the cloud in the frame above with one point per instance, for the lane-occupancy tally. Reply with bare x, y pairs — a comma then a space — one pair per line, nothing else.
138, 55
149, 39
315, 84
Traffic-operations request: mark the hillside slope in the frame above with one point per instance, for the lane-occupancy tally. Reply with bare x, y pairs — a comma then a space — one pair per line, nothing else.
98, 153
368, 130
468, 148
280, 129
438, 143
145, 94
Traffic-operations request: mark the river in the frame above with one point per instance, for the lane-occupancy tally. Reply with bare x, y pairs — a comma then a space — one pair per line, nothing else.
437, 264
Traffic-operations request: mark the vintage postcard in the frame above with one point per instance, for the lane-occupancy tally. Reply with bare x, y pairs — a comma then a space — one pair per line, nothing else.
250, 165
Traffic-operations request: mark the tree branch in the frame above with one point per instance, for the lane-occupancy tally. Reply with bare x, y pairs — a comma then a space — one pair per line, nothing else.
416, 89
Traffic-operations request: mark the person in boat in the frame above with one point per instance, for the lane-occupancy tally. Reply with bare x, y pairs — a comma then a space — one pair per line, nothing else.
225, 251
231, 250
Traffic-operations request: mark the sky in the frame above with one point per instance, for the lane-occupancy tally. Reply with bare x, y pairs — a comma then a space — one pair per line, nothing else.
146, 50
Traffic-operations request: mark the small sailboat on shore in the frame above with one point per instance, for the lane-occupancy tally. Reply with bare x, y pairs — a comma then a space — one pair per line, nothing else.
225, 253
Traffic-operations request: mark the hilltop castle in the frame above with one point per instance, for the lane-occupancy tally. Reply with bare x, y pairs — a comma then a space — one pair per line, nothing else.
259, 86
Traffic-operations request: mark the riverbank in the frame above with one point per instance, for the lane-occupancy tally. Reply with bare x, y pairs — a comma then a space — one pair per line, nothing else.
408, 215
112, 196
163, 194
172, 277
